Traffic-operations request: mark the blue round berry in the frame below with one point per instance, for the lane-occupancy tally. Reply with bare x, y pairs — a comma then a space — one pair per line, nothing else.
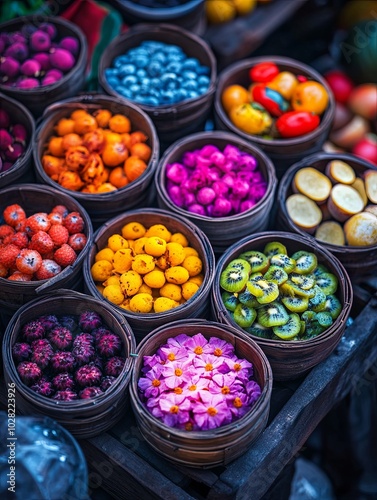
124, 92
112, 81
120, 61
141, 61
203, 70
154, 69
141, 73
174, 67
192, 94
134, 88
181, 94
189, 75
203, 81
127, 69
191, 64
159, 57
129, 80
190, 85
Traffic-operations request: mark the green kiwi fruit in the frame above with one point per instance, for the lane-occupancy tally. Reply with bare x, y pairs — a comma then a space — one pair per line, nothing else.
290, 289
306, 262
312, 331
257, 260
265, 291
240, 264
328, 283
274, 248
302, 328
282, 260
259, 331
324, 319
230, 300
244, 316
318, 302
296, 303
273, 314
290, 330
276, 274
233, 279
247, 298
320, 269
332, 306
304, 281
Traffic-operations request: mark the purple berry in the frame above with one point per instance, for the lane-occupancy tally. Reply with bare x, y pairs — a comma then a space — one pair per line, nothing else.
29, 372
17, 37
6, 166
63, 361
49, 322
98, 332
107, 382
9, 67
88, 375
67, 395
89, 321
28, 29
19, 133
18, 51
97, 361
44, 60
40, 41
69, 43
33, 331
90, 392
114, 366
21, 351
63, 381
68, 322
49, 29
109, 345
42, 353
48, 80
13, 153
43, 387
4, 118
6, 140
62, 59
83, 353
60, 337
83, 338
28, 83
31, 67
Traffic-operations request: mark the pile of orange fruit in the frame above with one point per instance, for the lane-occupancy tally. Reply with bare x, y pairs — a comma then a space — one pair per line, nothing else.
95, 153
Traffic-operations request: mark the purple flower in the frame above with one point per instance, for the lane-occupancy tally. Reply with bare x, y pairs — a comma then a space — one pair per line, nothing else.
226, 384
212, 412
195, 387
151, 361
179, 341
176, 373
175, 409
254, 391
219, 347
240, 367
150, 385
170, 353
207, 365
197, 344
239, 405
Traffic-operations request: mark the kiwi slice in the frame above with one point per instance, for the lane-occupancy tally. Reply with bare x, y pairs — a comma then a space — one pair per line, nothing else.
230, 300
265, 291
306, 262
324, 319
312, 330
320, 269
289, 288
332, 306
259, 331
328, 283
240, 264
318, 302
276, 274
282, 260
255, 276
290, 330
274, 248
296, 304
305, 281
233, 279
244, 316
302, 328
257, 260
273, 314
247, 298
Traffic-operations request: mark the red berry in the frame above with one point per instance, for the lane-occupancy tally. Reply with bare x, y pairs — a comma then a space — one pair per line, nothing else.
3, 271
77, 241
74, 222
6, 231
65, 255
18, 276
58, 234
55, 218
41, 242
19, 239
38, 222
49, 268
14, 214
8, 255
28, 261
21, 226
60, 209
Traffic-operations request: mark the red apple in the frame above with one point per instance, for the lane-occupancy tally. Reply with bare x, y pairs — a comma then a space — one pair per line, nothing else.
367, 148
340, 83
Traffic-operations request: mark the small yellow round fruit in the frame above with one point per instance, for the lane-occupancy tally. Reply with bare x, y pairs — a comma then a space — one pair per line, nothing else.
198, 279
244, 7
177, 275
193, 264
159, 230
116, 242
162, 304
130, 281
233, 95
114, 294
189, 289
155, 279
171, 291
101, 270
105, 254
133, 230
220, 11
143, 263
122, 260
111, 280
155, 246
190, 251
179, 238
141, 303
139, 245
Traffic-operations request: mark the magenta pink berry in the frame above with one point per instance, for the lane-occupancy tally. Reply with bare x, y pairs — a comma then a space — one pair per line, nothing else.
40, 41
43, 387
30, 67
19, 133
6, 140
114, 366
89, 321
13, 153
107, 382
63, 361
61, 338
90, 392
88, 375
28, 83
62, 59
44, 60
67, 395
29, 372
50, 29
70, 43
21, 351
18, 51
109, 345
63, 381
33, 330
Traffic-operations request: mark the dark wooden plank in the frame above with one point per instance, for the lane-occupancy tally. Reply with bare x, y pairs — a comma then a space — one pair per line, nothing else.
327, 384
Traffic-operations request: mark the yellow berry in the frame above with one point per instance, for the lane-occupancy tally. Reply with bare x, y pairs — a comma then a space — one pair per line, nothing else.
130, 282
164, 304
145, 289
141, 303
101, 270
105, 254
193, 264
159, 230
155, 279
162, 262
116, 242
177, 275
198, 279
175, 254
155, 246
133, 230
122, 260
189, 289
139, 245
179, 238
125, 305
114, 294
190, 251
143, 263
171, 291
111, 280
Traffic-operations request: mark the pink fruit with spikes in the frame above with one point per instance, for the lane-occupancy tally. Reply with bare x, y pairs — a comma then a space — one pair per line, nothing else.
33, 330
63, 381
43, 387
114, 366
61, 338
29, 372
63, 361
90, 392
67, 395
88, 375
21, 351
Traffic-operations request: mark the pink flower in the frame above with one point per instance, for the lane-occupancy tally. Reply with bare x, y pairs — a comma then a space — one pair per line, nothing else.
226, 384
172, 353
212, 412
175, 373
239, 405
241, 367
151, 361
219, 347
175, 409
207, 365
197, 344
253, 391
195, 387
178, 341
150, 385
153, 406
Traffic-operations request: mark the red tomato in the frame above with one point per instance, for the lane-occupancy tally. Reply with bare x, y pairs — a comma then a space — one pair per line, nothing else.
296, 123
263, 72
340, 84
367, 148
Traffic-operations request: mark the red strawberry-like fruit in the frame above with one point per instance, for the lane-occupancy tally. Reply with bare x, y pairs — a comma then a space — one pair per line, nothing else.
42, 242
89, 321
6, 231
20, 239
8, 255
109, 346
107, 382
60, 209
38, 222
43, 387
55, 218
18, 276
74, 223
90, 392
49, 268
88, 375
29, 372
114, 366
77, 241
28, 261
67, 395
63, 381
21, 351
13, 214
59, 234
33, 330
3, 271
60, 337
65, 255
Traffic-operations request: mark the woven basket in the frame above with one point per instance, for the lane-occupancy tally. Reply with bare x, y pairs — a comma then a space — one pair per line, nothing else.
197, 306
213, 447
221, 231
101, 207
83, 418
37, 99
34, 198
21, 168
289, 359
283, 152
359, 262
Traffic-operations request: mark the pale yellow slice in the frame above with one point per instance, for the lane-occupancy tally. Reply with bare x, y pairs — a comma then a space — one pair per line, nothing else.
330, 232
344, 201
340, 171
304, 212
359, 185
361, 229
370, 177
313, 184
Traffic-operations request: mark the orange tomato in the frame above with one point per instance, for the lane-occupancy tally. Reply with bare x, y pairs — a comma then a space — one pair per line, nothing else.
71, 140
106, 187
310, 96
120, 124
114, 154
118, 177
103, 117
138, 136
284, 83
85, 123
65, 126
134, 167
141, 150
55, 146
233, 95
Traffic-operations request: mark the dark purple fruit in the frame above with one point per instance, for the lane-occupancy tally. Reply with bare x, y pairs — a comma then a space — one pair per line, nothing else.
62, 59
17, 37
28, 29
49, 29
9, 67
43, 59
40, 41
6, 140
18, 51
6, 166
71, 44
19, 133
14, 153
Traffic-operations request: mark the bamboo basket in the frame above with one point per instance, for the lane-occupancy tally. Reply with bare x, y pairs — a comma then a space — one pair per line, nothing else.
221, 231
197, 306
213, 447
84, 418
359, 262
289, 359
